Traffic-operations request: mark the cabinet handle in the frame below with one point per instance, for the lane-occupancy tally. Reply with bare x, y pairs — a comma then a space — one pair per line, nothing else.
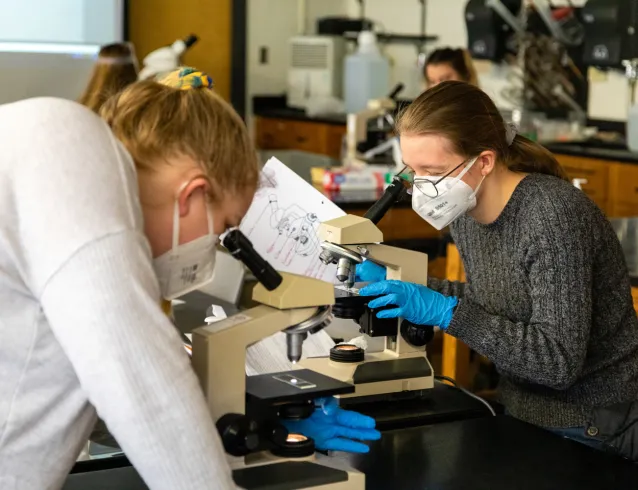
301, 139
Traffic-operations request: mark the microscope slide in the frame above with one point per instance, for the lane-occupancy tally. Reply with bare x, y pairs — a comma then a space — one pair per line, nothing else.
283, 219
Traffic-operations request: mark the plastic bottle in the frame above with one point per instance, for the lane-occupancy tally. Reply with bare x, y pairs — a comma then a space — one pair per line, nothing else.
366, 74
632, 128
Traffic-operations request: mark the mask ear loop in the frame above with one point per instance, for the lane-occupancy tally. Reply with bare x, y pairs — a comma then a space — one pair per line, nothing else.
467, 168
209, 215
176, 223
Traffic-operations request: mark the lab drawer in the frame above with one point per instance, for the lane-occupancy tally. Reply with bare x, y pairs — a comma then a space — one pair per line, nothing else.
623, 190
595, 172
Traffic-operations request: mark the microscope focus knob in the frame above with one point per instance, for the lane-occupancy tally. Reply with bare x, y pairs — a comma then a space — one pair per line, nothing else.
240, 434
417, 335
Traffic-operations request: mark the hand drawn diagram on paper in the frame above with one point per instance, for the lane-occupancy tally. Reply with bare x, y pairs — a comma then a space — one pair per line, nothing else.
283, 220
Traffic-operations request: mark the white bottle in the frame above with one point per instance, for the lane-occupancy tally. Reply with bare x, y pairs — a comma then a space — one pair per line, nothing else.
632, 128
366, 74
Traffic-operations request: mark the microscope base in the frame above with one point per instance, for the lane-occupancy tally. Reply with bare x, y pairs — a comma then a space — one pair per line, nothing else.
381, 373
318, 472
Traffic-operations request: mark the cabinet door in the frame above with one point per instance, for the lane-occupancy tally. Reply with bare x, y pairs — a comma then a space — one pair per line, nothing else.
309, 136
623, 190
273, 134
595, 172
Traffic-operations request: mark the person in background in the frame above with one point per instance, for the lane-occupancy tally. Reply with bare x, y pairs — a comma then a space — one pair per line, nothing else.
548, 297
447, 64
115, 68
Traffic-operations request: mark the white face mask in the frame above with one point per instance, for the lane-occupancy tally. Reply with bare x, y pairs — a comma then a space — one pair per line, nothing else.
189, 266
454, 199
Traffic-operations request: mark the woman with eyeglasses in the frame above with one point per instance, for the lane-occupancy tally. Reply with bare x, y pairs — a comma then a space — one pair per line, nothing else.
547, 298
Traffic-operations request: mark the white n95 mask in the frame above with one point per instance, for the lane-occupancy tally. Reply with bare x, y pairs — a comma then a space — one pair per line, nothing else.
454, 199
189, 266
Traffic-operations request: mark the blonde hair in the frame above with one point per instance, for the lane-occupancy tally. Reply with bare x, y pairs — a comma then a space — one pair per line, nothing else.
469, 120
155, 121
115, 68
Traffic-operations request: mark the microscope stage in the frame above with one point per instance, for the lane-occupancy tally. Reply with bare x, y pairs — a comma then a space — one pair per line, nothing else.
290, 386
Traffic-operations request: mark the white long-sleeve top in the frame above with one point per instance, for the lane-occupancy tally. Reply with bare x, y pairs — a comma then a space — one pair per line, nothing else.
80, 322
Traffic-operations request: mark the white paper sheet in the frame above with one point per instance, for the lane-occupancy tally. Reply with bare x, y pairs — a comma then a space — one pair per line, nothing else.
283, 219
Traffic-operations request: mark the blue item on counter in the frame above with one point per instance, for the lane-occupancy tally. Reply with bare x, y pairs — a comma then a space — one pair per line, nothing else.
414, 302
368, 271
335, 429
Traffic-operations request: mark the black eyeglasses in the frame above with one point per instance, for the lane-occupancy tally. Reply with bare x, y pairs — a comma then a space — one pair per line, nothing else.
429, 187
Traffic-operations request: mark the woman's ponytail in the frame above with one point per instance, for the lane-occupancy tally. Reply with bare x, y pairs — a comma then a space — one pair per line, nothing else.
526, 156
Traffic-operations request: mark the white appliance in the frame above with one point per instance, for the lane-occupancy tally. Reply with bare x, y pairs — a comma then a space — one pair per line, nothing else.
315, 69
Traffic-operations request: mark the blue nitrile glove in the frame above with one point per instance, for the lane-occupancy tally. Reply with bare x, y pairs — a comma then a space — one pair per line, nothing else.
368, 271
334, 429
417, 304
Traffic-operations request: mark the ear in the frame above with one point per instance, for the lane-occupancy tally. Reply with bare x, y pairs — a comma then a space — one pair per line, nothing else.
486, 162
199, 186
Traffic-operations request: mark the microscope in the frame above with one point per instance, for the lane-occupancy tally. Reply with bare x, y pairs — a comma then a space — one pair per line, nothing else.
375, 140
402, 369
166, 59
248, 410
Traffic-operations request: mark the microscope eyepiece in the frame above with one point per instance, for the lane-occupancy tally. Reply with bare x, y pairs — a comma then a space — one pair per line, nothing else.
392, 194
190, 40
242, 249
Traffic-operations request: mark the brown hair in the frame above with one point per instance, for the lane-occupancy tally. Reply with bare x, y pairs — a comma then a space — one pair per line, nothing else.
115, 68
459, 59
155, 121
468, 118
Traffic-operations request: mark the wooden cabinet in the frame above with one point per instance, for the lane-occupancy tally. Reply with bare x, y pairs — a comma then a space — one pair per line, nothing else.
288, 134
611, 185
595, 173
623, 190
456, 354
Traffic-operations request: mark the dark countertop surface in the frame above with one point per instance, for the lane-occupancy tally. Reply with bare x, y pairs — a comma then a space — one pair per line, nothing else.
300, 115
611, 152
490, 453
441, 404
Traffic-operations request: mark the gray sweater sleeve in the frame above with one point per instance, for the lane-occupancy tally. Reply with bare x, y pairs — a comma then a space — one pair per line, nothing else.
550, 348
447, 288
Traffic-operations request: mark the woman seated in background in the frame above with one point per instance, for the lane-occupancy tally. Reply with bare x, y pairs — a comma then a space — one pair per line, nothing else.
447, 64
116, 68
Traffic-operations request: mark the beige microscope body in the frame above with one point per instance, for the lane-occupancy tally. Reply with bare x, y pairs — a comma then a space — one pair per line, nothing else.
219, 356
362, 238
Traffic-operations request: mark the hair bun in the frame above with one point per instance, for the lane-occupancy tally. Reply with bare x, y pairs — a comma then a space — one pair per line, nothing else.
187, 78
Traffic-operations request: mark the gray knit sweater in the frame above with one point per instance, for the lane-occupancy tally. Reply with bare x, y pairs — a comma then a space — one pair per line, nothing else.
548, 300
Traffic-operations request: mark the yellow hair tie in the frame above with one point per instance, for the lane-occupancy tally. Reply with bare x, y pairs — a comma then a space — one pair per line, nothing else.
187, 79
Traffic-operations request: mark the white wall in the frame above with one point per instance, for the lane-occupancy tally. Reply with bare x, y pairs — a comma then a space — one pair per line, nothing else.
271, 23
48, 48
609, 96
